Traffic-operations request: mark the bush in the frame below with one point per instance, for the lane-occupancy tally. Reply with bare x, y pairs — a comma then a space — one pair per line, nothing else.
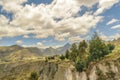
79, 66
51, 57
111, 47
62, 57
33, 76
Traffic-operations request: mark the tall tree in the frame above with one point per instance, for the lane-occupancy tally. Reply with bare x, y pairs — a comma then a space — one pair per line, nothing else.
82, 46
74, 51
97, 48
67, 54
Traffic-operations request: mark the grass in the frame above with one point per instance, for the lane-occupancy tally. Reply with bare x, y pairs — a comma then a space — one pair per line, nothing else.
114, 55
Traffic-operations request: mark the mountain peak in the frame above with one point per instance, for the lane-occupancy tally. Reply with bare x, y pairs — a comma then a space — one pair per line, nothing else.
15, 45
67, 44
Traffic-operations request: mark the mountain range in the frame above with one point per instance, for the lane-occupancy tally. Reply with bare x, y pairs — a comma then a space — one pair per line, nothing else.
16, 52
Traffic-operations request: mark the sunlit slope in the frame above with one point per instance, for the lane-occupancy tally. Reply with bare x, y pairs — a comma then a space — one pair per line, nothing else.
115, 54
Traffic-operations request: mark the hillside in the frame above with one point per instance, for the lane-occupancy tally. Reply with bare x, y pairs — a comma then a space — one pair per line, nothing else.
15, 52
105, 69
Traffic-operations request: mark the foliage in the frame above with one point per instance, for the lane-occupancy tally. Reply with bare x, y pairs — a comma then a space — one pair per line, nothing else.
82, 46
111, 75
79, 65
73, 53
51, 57
33, 76
111, 47
62, 57
97, 48
79, 54
100, 74
67, 54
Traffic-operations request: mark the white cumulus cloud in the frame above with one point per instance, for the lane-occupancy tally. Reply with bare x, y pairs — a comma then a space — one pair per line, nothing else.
104, 5
115, 27
112, 21
19, 42
56, 19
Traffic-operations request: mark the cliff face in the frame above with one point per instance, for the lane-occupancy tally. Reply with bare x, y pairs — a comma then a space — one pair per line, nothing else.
62, 70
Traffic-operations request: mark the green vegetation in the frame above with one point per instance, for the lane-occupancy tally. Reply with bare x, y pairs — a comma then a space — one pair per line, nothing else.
83, 54
110, 75
111, 47
67, 54
97, 48
62, 57
33, 76
101, 75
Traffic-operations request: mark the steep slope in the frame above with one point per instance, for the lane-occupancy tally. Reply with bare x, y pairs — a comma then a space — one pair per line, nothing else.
6, 51
62, 70
52, 51
61, 50
49, 51
16, 52
21, 55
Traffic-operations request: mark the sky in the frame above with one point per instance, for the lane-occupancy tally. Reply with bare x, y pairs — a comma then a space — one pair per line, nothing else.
45, 23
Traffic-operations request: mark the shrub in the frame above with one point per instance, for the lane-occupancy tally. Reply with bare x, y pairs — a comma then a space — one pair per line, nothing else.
33, 76
111, 47
79, 66
62, 57
67, 54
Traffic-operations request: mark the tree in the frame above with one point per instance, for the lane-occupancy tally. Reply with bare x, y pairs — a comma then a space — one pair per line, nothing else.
82, 49
79, 65
67, 54
82, 46
74, 48
74, 52
97, 48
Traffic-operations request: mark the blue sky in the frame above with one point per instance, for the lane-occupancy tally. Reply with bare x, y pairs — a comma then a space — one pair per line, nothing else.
44, 23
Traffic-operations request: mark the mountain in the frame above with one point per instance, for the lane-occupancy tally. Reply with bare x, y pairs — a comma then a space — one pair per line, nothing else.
16, 52
57, 51
7, 50
61, 50
105, 69
50, 51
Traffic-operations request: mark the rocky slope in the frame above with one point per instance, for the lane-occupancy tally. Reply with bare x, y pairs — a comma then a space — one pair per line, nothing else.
60, 70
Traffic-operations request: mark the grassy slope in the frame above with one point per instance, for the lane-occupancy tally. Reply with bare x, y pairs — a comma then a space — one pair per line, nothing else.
114, 55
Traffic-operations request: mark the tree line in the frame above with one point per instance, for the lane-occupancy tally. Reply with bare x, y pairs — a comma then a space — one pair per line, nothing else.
87, 52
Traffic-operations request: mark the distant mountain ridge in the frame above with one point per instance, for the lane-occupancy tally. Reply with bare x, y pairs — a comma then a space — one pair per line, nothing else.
16, 52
